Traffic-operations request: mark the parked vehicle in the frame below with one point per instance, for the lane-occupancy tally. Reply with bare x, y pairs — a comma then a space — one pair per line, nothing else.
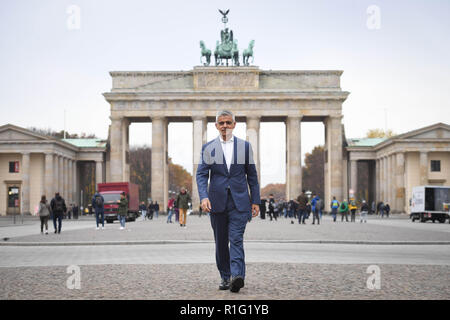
111, 193
430, 203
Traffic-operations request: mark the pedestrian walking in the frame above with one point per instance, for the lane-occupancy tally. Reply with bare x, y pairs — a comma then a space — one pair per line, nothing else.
58, 207
151, 208
75, 210
387, 209
315, 209
284, 208
334, 208
44, 214
170, 208
183, 200
143, 209
352, 207
228, 198
271, 207
364, 211
156, 209
276, 210
69, 211
321, 206
381, 209
177, 212
302, 200
98, 205
308, 209
123, 210
262, 209
292, 208
343, 210
373, 207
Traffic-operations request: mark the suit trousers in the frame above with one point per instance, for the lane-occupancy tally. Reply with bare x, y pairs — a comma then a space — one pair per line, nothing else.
229, 227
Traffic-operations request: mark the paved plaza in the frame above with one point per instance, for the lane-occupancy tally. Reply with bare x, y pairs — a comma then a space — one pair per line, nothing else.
156, 260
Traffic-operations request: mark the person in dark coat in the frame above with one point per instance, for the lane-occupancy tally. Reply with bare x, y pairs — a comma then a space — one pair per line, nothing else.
262, 208
58, 206
98, 205
151, 208
156, 208
272, 207
302, 200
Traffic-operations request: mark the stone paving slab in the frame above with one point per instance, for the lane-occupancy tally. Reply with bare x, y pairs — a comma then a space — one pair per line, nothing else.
265, 281
377, 230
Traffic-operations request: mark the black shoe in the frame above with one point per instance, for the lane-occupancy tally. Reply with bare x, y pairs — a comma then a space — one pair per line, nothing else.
56, 231
225, 284
236, 284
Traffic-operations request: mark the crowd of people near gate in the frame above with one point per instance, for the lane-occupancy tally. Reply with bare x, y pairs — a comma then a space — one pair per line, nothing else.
307, 204
179, 207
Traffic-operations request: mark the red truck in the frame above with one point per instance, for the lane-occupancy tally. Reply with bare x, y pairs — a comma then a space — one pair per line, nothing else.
111, 193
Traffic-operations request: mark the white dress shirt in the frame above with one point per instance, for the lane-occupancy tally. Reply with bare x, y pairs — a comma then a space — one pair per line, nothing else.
227, 148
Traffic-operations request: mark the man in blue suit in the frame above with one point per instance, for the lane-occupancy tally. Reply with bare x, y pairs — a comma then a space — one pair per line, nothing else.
227, 162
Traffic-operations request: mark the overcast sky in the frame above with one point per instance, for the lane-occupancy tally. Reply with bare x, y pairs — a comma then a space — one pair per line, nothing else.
56, 55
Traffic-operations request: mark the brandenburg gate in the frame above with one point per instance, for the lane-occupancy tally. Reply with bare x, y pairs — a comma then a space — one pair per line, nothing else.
252, 94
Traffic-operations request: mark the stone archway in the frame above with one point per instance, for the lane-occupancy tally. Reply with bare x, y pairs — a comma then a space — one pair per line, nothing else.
253, 95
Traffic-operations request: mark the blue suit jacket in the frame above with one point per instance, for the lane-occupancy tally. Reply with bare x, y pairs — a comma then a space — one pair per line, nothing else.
242, 175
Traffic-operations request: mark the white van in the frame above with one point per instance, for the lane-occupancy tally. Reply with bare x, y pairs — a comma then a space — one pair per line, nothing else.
430, 203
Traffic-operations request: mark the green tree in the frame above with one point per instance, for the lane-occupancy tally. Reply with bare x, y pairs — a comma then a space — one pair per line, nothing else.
313, 171
380, 133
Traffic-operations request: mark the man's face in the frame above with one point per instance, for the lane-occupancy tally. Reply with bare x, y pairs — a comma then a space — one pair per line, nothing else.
225, 125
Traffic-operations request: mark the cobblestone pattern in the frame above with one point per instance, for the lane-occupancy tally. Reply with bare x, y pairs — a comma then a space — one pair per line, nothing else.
200, 229
200, 282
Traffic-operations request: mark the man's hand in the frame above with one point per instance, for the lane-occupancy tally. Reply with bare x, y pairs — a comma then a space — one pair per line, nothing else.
206, 205
255, 210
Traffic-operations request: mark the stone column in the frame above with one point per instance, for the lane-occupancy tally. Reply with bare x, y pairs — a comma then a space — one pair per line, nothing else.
423, 168
158, 160
116, 154
66, 178
198, 139
98, 173
75, 193
385, 180
55, 175
253, 125
392, 182
126, 149
293, 157
354, 177
389, 180
69, 181
48, 176
377, 180
400, 177
25, 183
163, 205
333, 170
61, 175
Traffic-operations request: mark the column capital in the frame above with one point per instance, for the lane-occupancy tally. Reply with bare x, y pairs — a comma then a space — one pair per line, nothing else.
295, 116
157, 117
253, 117
198, 118
336, 116
115, 118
